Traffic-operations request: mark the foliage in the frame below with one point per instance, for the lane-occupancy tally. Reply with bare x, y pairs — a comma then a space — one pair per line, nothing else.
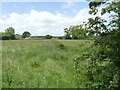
48, 37
75, 32
26, 34
96, 26
60, 37
10, 30
6, 36
104, 70
67, 33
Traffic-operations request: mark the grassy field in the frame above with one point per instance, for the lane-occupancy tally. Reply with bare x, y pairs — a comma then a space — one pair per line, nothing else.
42, 63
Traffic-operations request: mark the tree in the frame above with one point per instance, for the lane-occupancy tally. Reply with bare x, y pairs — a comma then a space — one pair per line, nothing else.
26, 34
10, 30
8, 34
78, 32
75, 32
105, 56
96, 26
60, 37
48, 36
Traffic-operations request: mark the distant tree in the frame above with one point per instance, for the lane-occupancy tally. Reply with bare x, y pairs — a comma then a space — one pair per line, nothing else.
48, 36
6, 36
75, 32
10, 30
60, 37
26, 34
78, 32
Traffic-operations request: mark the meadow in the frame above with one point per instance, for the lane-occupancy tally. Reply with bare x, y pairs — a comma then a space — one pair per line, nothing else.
43, 63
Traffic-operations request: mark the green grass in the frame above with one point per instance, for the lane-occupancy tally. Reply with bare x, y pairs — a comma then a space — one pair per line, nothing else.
42, 63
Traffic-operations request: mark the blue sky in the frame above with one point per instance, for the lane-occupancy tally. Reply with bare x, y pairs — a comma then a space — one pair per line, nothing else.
41, 18
53, 7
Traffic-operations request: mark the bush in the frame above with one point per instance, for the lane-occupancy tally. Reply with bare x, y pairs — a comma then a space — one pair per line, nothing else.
104, 70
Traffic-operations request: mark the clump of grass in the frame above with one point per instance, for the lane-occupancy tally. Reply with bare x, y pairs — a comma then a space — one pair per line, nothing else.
58, 44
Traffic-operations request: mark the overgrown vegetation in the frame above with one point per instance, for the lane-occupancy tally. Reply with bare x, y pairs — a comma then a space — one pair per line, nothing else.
42, 63
104, 69
69, 63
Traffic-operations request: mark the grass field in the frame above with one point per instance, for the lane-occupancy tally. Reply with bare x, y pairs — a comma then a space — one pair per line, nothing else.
42, 63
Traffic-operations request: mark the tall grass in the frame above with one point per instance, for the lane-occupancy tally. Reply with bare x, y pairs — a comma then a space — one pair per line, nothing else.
42, 63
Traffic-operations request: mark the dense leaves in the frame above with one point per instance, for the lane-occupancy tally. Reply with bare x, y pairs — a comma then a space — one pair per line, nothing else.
103, 70
96, 26
105, 58
26, 34
48, 37
75, 32
10, 30
8, 34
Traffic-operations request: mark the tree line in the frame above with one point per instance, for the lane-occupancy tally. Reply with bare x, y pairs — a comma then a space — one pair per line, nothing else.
73, 32
9, 34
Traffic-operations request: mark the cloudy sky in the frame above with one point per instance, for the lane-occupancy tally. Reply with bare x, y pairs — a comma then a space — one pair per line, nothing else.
41, 18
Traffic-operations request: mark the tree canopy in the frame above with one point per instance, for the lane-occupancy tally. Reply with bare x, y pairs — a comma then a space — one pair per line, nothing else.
10, 30
75, 32
48, 36
8, 34
26, 34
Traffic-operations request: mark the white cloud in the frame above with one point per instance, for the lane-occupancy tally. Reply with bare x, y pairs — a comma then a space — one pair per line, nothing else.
42, 23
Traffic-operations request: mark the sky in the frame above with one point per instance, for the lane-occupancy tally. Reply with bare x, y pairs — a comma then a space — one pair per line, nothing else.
42, 18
